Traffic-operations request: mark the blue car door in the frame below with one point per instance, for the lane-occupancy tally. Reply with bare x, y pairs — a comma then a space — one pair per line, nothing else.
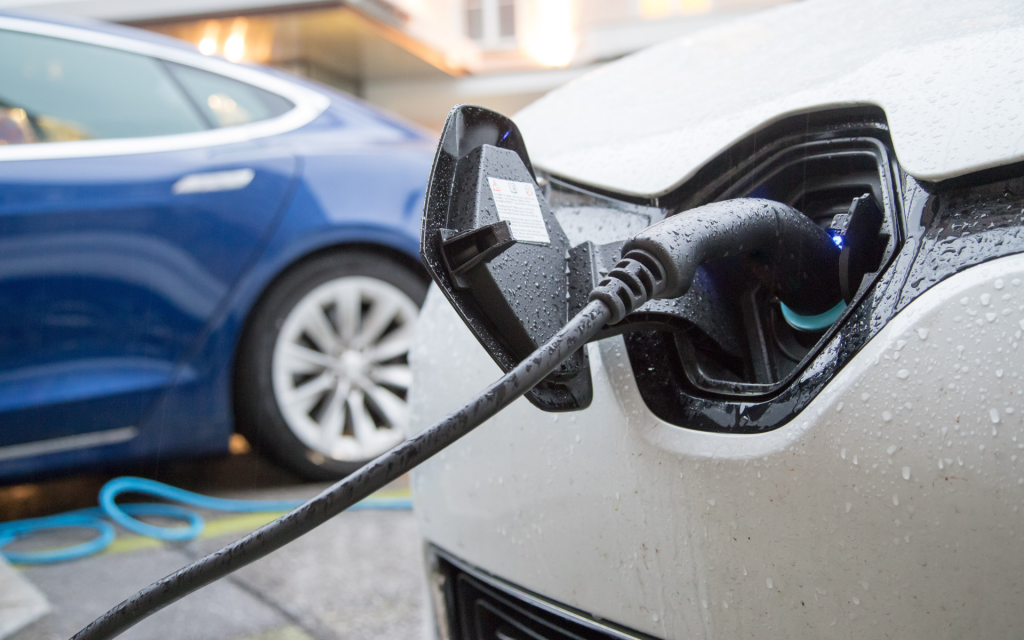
112, 263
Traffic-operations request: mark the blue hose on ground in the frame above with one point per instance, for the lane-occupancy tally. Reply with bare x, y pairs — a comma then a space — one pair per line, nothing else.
124, 515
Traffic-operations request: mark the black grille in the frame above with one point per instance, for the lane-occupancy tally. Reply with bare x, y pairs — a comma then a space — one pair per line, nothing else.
479, 608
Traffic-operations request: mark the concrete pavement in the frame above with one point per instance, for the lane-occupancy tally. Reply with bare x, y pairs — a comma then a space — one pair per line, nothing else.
359, 576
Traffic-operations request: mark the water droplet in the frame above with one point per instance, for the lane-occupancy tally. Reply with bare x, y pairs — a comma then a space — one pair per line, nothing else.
887, 416
768, 581
892, 449
922, 333
895, 500
986, 298
849, 505
993, 414
906, 473
902, 374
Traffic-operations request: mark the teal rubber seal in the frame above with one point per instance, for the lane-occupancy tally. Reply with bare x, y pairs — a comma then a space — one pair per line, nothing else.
812, 323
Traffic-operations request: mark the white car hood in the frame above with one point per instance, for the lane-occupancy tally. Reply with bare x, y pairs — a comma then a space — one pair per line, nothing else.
948, 74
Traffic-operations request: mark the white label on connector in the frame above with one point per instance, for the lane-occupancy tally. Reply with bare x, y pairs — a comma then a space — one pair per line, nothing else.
517, 205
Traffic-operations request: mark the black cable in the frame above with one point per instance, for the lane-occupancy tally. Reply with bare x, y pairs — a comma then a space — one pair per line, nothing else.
798, 259
355, 487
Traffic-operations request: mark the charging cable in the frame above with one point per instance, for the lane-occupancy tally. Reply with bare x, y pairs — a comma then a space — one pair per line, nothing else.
96, 518
357, 486
800, 263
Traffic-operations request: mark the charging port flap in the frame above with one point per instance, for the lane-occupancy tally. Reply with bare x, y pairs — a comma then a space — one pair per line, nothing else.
491, 243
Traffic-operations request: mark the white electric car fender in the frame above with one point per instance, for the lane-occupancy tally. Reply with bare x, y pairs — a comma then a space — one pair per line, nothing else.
884, 497
890, 507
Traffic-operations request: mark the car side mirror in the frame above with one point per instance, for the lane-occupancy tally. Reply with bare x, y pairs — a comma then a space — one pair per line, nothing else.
492, 245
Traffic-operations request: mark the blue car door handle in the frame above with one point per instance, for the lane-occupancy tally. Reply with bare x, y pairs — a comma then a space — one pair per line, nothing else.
213, 181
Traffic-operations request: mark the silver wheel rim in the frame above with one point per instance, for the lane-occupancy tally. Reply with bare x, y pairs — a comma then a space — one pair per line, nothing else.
340, 373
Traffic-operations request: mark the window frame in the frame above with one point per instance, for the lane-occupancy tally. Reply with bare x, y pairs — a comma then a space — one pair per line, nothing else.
308, 104
490, 25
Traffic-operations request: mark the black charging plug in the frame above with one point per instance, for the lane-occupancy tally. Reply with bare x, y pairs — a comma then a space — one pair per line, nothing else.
795, 258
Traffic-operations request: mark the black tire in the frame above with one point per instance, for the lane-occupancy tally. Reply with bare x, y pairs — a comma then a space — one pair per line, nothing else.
258, 415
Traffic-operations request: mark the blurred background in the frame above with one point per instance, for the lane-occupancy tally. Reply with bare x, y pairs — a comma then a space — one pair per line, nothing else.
417, 58
358, 576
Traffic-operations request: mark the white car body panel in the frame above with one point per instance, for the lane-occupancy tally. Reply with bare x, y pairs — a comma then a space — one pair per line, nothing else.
890, 507
947, 73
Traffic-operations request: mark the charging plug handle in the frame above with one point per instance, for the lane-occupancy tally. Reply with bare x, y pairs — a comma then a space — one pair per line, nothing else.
794, 257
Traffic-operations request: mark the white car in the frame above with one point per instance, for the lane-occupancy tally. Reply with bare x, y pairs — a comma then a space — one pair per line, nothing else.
744, 472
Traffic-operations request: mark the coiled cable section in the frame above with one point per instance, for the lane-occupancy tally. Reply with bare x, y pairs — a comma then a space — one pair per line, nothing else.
127, 515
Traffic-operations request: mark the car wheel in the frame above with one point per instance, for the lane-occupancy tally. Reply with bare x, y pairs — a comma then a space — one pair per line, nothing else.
322, 372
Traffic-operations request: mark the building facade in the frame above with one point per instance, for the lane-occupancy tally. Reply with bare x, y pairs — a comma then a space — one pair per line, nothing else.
417, 58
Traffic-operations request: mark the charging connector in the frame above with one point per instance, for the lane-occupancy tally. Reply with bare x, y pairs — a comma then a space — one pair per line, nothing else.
793, 256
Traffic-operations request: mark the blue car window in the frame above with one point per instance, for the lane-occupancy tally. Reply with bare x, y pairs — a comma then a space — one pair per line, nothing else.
226, 102
54, 90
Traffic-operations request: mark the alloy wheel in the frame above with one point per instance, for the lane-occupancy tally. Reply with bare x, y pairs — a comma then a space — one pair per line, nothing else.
340, 370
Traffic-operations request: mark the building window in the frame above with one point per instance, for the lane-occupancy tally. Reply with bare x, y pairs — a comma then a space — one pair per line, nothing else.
475, 19
492, 23
506, 18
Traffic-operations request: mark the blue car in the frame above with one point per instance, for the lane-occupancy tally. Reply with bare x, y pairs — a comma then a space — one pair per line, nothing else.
191, 248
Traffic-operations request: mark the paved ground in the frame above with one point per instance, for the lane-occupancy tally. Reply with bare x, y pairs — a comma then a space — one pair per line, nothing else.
358, 576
